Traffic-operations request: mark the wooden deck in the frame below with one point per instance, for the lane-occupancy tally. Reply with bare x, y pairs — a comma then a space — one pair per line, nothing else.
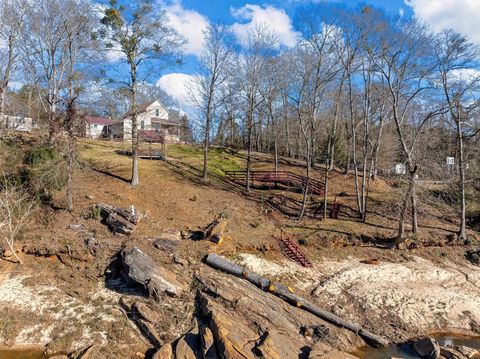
286, 178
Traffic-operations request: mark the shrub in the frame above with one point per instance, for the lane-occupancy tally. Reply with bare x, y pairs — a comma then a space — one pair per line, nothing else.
44, 172
95, 212
40, 155
16, 206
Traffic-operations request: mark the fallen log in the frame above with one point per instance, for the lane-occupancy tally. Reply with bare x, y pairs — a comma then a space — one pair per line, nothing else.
129, 215
286, 294
214, 231
119, 225
119, 220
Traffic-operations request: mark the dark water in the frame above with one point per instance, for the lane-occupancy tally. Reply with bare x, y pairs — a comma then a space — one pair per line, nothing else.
406, 351
22, 354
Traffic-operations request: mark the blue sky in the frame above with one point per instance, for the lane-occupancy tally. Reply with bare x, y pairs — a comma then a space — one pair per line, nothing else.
220, 10
189, 17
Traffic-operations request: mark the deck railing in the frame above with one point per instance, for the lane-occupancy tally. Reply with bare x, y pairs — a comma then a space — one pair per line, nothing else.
284, 177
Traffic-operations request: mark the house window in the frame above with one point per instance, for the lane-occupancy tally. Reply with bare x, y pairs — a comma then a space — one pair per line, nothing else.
157, 112
95, 126
143, 124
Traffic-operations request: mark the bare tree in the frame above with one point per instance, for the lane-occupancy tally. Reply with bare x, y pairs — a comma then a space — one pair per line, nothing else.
272, 86
406, 63
215, 69
458, 62
251, 67
44, 56
12, 17
16, 206
317, 66
79, 20
138, 30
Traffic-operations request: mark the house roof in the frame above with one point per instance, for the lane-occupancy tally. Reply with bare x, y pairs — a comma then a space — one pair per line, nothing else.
151, 136
99, 120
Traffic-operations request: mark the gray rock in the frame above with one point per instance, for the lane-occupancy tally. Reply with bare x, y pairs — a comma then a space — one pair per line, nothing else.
142, 269
427, 348
166, 245
165, 352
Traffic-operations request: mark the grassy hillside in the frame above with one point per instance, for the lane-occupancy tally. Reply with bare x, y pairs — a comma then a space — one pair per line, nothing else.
178, 184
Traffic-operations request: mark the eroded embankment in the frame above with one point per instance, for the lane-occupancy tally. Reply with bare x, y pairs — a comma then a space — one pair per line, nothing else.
400, 299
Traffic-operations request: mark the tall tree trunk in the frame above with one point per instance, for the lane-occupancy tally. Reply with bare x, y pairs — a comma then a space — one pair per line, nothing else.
70, 127
305, 187
348, 147
3, 93
297, 143
403, 211
364, 174
462, 232
70, 153
232, 130
376, 148
7, 73
329, 166
275, 153
135, 180
205, 149
52, 123
206, 140
326, 178
274, 135
308, 162
354, 147
413, 200
249, 145
288, 151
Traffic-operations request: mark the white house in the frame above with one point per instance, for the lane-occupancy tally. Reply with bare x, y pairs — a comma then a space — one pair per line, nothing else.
400, 169
97, 127
16, 123
152, 117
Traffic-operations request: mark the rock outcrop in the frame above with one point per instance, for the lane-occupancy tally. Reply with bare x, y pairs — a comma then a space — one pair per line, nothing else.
142, 269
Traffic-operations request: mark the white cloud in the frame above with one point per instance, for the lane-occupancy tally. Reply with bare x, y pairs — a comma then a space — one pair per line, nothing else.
460, 15
15, 85
190, 24
275, 19
177, 86
465, 75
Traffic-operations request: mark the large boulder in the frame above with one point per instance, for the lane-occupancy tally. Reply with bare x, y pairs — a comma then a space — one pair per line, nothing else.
458, 352
142, 269
427, 348
189, 345
165, 352
247, 322
208, 342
